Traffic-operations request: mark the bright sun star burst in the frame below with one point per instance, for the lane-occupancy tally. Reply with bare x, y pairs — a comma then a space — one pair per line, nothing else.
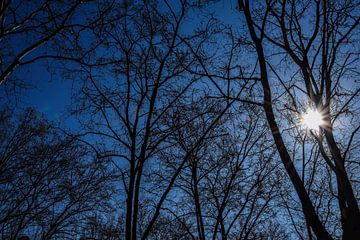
312, 119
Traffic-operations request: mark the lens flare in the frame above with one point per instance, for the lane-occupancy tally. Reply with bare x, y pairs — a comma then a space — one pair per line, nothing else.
312, 119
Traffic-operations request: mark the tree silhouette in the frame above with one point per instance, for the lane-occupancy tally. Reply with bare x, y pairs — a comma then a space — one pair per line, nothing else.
321, 57
49, 184
188, 120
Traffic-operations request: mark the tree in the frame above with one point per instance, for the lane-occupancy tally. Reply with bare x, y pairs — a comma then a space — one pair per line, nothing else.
229, 183
322, 58
98, 228
49, 183
136, 74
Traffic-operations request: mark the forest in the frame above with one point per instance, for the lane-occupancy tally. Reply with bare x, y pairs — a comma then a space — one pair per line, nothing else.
179, 119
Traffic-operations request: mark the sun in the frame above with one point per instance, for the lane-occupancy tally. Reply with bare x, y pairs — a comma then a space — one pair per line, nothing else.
312, 119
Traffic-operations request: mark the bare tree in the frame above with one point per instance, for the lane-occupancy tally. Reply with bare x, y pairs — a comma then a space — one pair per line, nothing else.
98, 228
49, 184
321, 58
137, 72
228, 184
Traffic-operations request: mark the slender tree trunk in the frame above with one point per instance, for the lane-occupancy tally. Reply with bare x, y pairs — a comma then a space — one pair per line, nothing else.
129, 203
200, 223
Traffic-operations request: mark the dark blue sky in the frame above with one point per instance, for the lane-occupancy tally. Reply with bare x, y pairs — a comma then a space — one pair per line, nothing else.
50, 94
